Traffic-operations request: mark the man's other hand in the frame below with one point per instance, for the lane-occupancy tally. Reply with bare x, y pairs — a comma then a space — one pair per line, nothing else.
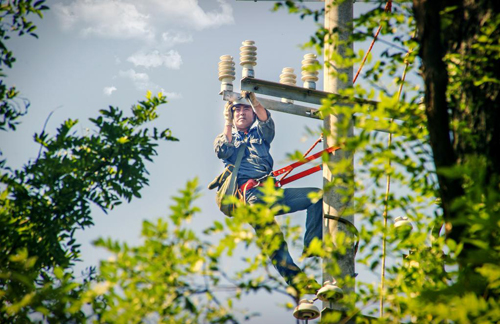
228, 113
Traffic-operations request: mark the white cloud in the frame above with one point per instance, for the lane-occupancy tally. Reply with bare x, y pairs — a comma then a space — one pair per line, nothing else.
105, 18
171, 38
109, 90
172, 95
141, 80
135, 76
172, 59
188, 13
132, 19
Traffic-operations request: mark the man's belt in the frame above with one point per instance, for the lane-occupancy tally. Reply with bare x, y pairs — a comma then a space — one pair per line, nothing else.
250, 184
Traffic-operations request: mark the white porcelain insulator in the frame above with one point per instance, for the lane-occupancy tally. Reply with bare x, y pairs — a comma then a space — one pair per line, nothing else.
288, 76
402, 225
330, 292
306, 310
248, 58
226, 72
309, 76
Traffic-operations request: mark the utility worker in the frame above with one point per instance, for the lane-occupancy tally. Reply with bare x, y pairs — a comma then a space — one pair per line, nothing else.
256, 129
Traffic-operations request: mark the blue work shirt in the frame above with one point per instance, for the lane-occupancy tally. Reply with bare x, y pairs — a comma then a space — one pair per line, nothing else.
257, 161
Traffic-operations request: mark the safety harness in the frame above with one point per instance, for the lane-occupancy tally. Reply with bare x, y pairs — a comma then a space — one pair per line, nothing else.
285, 171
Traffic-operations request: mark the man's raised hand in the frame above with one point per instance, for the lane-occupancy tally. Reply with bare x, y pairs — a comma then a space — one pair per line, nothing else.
228, 114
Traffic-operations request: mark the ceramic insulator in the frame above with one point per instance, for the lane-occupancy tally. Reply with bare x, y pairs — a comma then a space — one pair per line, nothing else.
306, 310
226, 72
402, 226
288, 76
308, 75
330, 292
248, 58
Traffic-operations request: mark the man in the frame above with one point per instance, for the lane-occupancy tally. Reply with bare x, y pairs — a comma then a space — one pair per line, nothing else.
255, 166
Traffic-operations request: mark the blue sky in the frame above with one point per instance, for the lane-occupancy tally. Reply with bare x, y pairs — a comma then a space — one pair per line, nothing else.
95, 53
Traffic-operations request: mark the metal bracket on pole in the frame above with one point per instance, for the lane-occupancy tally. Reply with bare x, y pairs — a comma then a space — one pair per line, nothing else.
294, 109
311, 96
281, 90
276, 105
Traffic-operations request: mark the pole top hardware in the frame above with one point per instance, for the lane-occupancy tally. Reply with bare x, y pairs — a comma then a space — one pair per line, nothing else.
330, 292
306, 310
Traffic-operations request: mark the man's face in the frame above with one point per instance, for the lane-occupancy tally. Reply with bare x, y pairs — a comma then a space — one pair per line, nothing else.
243, 117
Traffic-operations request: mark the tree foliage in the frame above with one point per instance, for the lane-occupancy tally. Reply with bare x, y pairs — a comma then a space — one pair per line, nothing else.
177, 275
49, 199
14, 19
441, 162
46, 201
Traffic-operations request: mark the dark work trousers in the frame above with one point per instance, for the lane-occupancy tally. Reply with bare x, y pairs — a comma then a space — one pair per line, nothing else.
296, 199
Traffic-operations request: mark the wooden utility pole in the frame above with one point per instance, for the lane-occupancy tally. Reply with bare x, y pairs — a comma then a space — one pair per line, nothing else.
335, 200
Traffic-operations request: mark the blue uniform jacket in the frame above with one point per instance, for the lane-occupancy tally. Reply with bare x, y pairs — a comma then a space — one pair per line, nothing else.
257, 161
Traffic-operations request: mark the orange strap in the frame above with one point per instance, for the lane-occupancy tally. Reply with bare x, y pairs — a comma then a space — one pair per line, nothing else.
305, 154
388, 7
